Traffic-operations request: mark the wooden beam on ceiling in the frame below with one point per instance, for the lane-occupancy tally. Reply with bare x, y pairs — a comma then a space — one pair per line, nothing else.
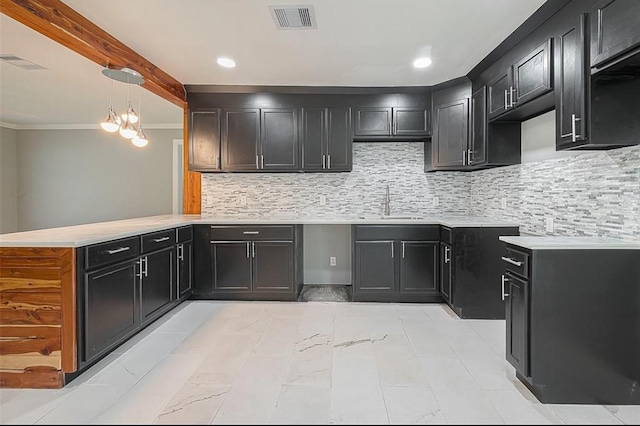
59, 22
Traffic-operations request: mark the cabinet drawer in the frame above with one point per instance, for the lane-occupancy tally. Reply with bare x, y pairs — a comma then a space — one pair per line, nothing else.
158, 240
112, 251
184, 234
234, 233
446, 235
517, 262
398, 232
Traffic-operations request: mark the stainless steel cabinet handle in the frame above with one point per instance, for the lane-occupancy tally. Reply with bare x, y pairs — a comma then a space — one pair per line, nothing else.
403, 249
324, 161
139, 263
469, 157
392, 253
511, 261
447, 254
328, 161
180, 252
248, 244
159, 240
512, 103
464, 158
145, 262
261, 161
257, 162
251, 232
504, 281
506, 102
395, 127
118, 250
574, 136
253, 249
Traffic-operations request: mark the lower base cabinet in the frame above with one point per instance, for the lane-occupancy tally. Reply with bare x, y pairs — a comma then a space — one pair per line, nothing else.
247, 262
396, 263
157, 289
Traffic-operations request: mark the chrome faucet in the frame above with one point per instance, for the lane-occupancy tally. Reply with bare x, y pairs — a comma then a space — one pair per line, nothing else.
387, 203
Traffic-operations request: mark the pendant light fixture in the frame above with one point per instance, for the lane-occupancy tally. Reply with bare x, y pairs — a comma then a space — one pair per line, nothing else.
140, 139
125, 125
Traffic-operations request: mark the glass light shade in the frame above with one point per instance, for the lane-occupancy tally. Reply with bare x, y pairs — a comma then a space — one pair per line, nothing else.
131, 115
140, 139
111, 122
128, 130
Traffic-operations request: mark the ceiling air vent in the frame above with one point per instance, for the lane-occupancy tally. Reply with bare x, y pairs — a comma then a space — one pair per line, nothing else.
21, 63
301, 17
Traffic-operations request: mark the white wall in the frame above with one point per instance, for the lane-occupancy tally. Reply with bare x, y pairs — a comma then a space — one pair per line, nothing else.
539, 139
8, 181
70, 177
320, 243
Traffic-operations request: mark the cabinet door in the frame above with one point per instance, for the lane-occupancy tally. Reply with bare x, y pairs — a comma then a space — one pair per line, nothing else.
373, 122
185, 260
571, 85
446, 272
204, 143
158, 282
231, 266
532, 75
411, 122
314, 137
272, 266
111, 308
340, 140
478, 142
614, 29
499, 93
279, 139
450, 133
375, 266
240, 138
419, 267
517, 308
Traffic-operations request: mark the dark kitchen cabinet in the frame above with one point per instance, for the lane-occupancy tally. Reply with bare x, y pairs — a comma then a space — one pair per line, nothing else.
110, 307
500, 89
273, 268
157, 289
279, 139
411, 122
396, 263
614, 30
419, 266
446, 272
231, 263
373, 121
450, 133
327, 142
240, 139
375, 267
185, 259
477, 153
571, 86
516, 311
532, 75
204, 144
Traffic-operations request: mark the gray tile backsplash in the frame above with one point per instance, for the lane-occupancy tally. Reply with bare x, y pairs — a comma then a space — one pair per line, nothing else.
594, 193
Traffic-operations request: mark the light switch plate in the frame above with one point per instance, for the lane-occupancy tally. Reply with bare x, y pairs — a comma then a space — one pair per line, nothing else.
332, 261
435, 201
503, 203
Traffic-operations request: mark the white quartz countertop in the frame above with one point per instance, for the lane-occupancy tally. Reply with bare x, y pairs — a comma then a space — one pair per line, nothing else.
82, 235
570, 243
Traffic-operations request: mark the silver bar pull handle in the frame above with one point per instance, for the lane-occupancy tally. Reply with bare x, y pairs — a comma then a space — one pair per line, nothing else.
248, 244
118, 250
504, 281
159, 240
392, 253
464, 158
506, 102
257, 162
139, 263
324, 161
146, 265
180, 252
251, 232
261, 161
511, 261
469, 157
403, 249
253, 250
573, 128
328, 161
447, 254
512, 103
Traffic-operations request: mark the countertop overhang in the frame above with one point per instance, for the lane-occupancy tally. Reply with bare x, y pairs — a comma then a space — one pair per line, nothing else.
570, 243
83, 235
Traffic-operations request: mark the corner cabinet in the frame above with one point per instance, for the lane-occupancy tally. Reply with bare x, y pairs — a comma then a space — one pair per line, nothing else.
450, 133
327, 141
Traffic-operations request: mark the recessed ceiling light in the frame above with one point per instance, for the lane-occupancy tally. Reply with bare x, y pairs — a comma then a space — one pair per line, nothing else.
422, 62
226, 62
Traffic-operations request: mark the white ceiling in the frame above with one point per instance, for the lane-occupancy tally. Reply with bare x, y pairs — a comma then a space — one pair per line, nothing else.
72, 92
357, 43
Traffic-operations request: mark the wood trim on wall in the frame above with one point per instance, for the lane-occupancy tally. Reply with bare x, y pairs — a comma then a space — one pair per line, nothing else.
61, 23
192, 190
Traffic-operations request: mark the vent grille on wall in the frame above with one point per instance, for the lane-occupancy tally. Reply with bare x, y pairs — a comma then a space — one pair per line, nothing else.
21, 63
294, 17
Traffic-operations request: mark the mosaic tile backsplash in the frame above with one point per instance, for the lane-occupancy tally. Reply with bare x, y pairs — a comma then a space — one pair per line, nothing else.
594, 193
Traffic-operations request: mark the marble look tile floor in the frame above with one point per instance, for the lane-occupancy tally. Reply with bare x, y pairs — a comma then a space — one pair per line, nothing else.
309, 363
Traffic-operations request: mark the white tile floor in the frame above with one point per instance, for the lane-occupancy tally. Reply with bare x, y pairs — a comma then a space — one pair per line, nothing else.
290, 363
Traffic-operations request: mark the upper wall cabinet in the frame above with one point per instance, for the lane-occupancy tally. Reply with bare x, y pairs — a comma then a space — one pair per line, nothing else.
571, 86
397, 121
279, 139
526, 80
240, 139
615, 30
326, 139
204, 146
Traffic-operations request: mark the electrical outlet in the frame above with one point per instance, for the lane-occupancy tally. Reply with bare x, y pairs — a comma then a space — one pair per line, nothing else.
548, 223
435, 201
243, 200
332, 261
323, 200
208, 200
503, 203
